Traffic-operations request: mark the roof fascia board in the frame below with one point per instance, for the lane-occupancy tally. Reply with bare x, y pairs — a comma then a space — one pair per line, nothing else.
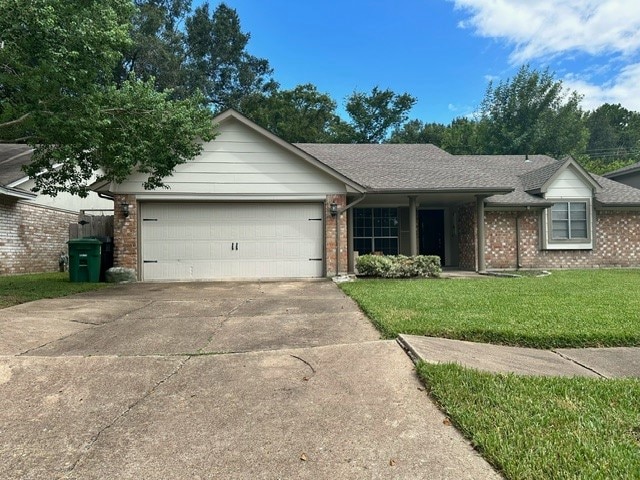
231, 113
623, 171
517, 207
10, 192
615, 205
479, 191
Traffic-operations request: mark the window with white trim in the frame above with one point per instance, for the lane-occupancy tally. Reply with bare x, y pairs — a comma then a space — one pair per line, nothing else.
567, 225
569, 221
375, 230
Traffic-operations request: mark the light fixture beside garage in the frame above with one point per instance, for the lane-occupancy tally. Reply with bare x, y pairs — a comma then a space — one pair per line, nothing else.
333, 209
124, 207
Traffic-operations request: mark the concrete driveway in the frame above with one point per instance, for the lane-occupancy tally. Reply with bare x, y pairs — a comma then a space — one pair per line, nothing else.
215, 380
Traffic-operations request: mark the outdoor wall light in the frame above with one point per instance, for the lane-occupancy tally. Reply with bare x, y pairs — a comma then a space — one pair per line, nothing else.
333, 209
125, 208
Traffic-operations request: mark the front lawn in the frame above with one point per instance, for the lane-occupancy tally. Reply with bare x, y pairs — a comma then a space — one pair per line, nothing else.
15, 289
569, 308
541, 427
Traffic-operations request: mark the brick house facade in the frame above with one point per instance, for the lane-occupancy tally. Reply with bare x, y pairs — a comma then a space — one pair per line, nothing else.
252, 204
616, 242
32, 237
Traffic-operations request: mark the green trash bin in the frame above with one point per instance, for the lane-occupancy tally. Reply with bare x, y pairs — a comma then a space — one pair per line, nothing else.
84, 260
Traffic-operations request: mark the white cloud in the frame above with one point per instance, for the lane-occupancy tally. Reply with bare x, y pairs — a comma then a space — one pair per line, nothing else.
491, 78
544, 28
623, 89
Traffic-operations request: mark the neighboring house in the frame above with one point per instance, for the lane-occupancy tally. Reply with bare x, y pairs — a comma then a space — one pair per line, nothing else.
34, 228
254, 206
629, 175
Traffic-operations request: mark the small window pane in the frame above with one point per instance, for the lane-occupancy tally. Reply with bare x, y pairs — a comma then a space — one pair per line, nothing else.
362, 245
578, 229
388, 246
560, 231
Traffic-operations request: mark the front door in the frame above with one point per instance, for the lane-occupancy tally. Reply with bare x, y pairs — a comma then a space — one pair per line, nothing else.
431, 227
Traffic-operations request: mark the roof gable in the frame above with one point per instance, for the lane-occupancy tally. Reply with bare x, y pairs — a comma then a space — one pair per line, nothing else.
540, 180
232, 114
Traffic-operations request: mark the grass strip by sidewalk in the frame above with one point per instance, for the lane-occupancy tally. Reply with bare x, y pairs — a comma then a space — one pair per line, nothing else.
543, 427
16, 289
576, 308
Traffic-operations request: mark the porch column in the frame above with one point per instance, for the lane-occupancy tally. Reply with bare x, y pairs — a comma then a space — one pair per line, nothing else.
350, 256
480, 229
413, 225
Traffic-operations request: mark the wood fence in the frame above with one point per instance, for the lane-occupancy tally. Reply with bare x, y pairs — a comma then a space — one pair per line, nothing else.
91, 226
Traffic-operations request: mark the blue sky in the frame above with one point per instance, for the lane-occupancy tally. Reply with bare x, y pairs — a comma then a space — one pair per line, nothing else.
444, 52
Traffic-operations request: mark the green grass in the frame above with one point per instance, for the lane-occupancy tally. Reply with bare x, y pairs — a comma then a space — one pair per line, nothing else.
539, 428
570, 308
15, 289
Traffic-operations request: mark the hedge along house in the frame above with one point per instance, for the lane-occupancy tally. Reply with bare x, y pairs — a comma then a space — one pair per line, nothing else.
254, 206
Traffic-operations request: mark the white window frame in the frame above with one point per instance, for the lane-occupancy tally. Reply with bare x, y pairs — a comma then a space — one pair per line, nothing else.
550, 243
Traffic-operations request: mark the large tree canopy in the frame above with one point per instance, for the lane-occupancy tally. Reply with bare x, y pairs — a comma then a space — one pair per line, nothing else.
302, 114
532, 113
373, 115
218, 63
57, 93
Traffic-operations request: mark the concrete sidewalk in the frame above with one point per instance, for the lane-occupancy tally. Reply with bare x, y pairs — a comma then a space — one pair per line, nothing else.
567, 362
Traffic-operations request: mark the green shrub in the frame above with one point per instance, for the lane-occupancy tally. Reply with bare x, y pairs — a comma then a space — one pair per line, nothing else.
398, 266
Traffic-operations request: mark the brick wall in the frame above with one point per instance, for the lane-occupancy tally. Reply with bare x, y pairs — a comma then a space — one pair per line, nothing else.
617, 242
330, 236
466, 218
500, 235
125, 243
32, 237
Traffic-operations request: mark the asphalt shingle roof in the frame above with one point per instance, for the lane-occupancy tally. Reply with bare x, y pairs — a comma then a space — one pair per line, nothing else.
535, 179
12, 158
408, 167
421, 167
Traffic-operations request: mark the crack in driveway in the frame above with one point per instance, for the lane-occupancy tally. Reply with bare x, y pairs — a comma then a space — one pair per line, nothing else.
123, 414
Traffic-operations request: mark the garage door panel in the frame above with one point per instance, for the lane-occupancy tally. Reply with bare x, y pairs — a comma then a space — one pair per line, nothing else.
183, 241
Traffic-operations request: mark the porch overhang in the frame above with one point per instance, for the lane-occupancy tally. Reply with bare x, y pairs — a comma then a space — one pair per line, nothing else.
433, 198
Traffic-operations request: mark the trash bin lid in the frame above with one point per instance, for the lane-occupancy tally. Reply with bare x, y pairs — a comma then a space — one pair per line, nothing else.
84, 241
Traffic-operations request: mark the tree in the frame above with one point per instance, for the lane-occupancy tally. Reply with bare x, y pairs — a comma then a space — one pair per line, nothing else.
464, 137
157, 48
217, 61
302, 115
415, 131
374, 115
614, 131
532, 113
57, 93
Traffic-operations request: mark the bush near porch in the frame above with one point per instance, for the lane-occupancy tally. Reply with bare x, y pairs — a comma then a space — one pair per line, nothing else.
569, 308
398, 266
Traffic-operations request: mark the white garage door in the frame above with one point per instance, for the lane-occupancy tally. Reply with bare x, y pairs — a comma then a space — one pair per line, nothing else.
199, 241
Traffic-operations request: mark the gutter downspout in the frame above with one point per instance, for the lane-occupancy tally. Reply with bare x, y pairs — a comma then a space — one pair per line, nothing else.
106, 196
340, 212
518, 263
480, 263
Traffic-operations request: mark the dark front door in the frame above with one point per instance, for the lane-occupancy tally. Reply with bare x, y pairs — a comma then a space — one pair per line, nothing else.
431, 227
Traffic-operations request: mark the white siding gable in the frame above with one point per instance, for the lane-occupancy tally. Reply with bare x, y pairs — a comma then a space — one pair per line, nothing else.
66, 201
569, 184
240, 161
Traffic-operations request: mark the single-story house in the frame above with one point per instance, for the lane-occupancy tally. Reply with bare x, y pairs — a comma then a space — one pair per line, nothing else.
34, 228
254, 206
629, 175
